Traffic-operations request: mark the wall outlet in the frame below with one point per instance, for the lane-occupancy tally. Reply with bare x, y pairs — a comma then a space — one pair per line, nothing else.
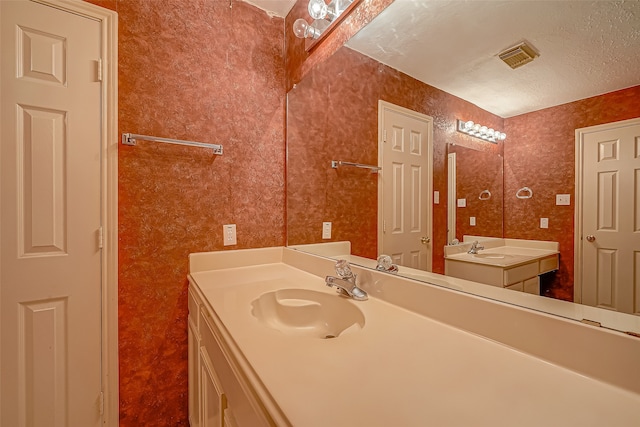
326, 230
544, 222
462, 203
563, 199
472, 220
229, 234
436, 197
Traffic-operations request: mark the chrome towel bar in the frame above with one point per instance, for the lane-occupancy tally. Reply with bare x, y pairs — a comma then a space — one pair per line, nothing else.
337, 163
130, 139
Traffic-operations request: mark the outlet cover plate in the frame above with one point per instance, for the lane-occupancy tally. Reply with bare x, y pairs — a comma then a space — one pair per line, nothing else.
229, 235
326, 230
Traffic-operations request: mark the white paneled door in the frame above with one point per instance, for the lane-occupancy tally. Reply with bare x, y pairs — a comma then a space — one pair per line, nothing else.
405, 154
609, 216
50, 262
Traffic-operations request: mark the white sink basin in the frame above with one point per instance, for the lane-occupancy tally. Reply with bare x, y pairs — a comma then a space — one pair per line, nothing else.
303, 312
492, 256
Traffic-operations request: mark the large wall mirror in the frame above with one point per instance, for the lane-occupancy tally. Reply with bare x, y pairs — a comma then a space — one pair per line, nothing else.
408, 57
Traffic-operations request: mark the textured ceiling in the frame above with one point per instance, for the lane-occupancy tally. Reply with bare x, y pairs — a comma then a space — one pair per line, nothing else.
586, 48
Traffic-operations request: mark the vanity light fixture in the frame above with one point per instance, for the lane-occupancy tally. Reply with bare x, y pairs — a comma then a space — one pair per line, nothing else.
479, 131
323, 15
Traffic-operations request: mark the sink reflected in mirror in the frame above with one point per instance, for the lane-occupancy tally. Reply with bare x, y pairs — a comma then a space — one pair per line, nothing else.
307, 313
492, 256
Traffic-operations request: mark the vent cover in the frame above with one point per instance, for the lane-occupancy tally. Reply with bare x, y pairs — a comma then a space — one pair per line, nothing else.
518, 55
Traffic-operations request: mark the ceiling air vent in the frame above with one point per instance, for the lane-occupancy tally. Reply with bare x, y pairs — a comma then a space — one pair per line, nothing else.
518, 55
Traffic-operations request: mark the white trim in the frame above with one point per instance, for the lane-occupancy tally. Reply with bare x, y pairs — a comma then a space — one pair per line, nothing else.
452, 179
382, 106
109, 136
577, 235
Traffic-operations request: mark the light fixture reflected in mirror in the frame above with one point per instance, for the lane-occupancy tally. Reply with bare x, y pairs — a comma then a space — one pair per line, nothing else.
302, 29
479, 131
323, 15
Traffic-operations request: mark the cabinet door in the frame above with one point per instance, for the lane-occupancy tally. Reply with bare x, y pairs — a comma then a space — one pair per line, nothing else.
211, 398
516, 287
532, 286
194, 377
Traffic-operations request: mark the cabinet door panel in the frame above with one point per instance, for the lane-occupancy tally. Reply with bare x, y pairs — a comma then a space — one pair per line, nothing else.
194, 377
210, 394
516, 287
532, 286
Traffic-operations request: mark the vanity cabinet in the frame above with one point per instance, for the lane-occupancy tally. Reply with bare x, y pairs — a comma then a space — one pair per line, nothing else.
524, 277
219, 395
513, 264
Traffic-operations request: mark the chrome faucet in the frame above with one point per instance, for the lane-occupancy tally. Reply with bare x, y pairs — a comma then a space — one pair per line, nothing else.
346, 283
386, 264
475, 248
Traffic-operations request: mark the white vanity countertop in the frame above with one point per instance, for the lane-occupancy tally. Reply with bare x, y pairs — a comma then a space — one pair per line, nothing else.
608, 318
402, 368
504, 253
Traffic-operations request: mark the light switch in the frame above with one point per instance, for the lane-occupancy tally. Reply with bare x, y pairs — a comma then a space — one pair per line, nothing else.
326, 230
544, 222
462, 203
229, 234
436, 197
472, 220
563, 199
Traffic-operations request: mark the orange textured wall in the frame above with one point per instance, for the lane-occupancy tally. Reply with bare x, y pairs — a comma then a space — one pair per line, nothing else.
540, 153
333, 113
478, 170
196, 70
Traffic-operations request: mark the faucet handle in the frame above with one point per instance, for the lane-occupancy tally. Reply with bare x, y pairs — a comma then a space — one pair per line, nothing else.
385, 263
343, 270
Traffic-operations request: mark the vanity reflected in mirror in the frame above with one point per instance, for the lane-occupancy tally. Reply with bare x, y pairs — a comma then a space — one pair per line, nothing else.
332, 115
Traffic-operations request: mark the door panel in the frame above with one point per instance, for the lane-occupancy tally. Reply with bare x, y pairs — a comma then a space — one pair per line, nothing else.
41, 173
610, 243
405, 200
50, 275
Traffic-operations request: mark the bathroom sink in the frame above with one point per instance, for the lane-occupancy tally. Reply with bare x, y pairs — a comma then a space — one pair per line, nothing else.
492, 256
307, 313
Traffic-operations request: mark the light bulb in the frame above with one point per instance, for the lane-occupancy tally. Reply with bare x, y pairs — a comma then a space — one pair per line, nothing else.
503, 136
476, 128
301, 28
304, 30
318, 26
468, 125
491, 133
483, 130
317, 9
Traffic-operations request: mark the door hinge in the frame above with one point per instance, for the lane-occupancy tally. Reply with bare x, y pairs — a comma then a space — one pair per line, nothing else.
384, 225
99, 70
384, 135
100, 237
101, 403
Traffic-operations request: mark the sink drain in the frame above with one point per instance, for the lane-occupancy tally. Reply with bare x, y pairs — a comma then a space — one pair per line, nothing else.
329, 336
